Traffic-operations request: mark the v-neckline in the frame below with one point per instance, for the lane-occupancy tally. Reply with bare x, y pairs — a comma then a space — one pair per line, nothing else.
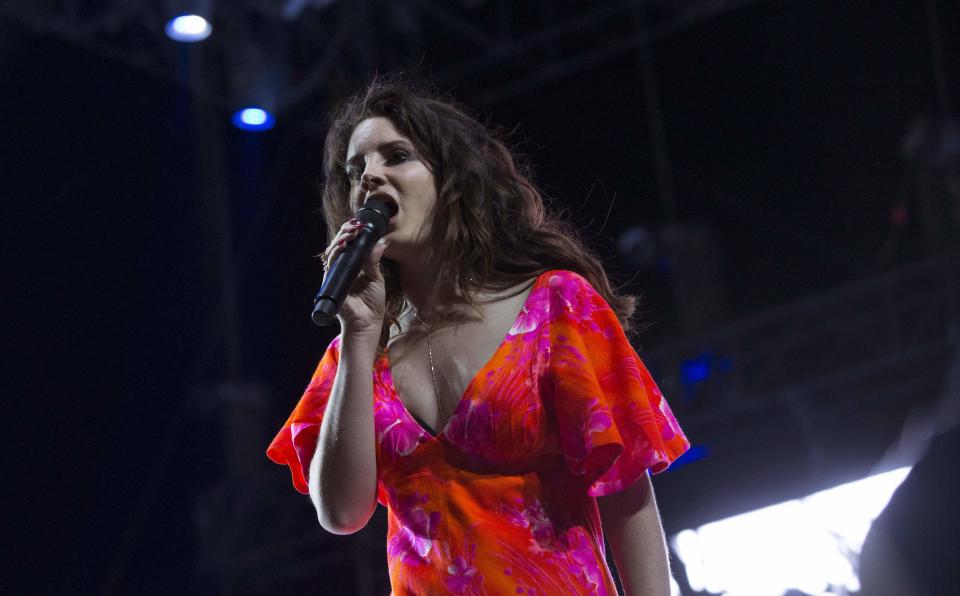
466, 392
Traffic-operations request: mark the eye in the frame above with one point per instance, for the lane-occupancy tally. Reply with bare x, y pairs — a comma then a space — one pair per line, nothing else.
399, 156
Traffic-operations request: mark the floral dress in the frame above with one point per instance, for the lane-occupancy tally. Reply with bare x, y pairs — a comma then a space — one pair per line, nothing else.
503, 499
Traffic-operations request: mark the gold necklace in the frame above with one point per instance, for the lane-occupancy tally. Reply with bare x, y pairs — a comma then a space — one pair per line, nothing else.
433, 371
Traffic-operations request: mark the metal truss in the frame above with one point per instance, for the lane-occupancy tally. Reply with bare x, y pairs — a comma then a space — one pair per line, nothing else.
902, 317
494, 49
568, 42
811, 394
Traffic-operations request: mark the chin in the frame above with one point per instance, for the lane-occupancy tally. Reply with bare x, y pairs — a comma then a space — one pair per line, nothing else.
399, 252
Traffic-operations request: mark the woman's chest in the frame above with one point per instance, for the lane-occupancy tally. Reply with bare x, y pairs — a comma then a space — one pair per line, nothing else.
487, 402
433, 366
433, 371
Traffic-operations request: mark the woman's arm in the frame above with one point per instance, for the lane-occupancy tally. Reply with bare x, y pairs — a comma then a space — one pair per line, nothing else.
343, 471
631, 523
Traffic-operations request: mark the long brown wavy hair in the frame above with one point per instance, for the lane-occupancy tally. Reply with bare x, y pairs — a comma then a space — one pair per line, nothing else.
490, 224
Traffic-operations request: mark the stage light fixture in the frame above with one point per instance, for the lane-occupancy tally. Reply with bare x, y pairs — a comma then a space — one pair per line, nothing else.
257, 75
253, 118
189, 20
188, 28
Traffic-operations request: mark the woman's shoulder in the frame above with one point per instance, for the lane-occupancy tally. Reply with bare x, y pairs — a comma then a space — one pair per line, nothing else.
573, 298
566, 282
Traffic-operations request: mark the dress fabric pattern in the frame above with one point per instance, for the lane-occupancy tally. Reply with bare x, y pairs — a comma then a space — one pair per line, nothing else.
503, 499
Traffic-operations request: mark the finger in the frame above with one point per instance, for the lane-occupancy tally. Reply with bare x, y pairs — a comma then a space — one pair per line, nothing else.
342, 237
346, 233
337, 247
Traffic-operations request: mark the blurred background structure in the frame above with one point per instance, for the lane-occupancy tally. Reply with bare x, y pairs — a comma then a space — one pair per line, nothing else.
779, 179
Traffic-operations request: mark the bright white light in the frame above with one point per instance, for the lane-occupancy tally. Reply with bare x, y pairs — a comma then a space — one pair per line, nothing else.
253, 116
188, 28
253, 119
805, 544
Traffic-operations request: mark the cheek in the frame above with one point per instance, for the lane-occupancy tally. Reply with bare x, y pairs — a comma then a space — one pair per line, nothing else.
428, 193
424, 181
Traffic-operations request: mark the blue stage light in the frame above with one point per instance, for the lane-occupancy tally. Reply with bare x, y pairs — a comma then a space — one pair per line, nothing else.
253, 118
695, 370
188, 28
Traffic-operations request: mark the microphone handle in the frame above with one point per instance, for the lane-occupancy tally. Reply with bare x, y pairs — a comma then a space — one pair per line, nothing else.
342, 274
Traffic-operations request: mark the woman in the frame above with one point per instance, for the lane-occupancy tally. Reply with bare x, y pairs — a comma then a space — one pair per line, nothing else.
507, 424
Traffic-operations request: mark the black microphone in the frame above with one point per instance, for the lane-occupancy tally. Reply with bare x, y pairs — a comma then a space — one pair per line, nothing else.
375, 216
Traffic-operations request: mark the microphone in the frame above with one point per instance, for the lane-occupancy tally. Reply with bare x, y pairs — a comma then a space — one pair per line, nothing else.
375, 216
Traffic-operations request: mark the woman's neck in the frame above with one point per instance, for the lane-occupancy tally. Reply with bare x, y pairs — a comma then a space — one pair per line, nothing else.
424, 292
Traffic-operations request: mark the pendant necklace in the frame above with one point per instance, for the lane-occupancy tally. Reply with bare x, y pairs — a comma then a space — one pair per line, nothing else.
433, 371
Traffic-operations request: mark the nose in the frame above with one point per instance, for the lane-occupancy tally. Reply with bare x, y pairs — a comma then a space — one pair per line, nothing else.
370, 180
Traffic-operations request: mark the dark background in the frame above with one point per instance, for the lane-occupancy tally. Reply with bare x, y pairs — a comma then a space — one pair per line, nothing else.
139, 293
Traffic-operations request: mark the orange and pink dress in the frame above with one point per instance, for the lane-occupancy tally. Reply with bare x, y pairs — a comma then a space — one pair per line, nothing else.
503, 499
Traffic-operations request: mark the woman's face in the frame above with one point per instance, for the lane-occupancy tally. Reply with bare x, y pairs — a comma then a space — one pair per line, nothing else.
381, 161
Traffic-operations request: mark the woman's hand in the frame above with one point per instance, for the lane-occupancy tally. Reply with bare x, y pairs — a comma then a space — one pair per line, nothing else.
364, 307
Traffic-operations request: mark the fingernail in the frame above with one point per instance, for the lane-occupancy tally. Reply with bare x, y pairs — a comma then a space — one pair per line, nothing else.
341, 243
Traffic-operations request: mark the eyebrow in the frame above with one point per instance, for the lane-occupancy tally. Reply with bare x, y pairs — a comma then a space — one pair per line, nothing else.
381, 148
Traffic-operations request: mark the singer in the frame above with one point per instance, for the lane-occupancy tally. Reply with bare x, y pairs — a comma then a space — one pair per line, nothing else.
482, 387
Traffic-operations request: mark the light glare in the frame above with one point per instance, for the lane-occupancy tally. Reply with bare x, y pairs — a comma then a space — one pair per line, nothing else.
804, 544
188, 28
253, 118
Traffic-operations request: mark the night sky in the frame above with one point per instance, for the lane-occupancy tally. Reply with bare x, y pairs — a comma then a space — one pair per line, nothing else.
783, 122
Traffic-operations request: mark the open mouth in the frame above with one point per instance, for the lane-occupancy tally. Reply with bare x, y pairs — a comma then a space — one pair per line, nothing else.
388, 201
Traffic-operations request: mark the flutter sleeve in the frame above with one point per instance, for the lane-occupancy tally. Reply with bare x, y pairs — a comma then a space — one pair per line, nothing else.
613, 423
296, 442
